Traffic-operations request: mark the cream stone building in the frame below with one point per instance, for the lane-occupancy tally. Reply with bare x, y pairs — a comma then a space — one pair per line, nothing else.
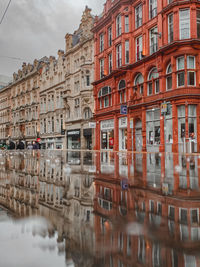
52, 111
78, 90
25, 103
5, 114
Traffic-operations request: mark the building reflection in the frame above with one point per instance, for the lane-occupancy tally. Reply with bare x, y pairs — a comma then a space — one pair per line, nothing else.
109, 209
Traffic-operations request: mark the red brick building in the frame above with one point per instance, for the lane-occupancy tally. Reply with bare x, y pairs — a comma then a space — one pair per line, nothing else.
147, 85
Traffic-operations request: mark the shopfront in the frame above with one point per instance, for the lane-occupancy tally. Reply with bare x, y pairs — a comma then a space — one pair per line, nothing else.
87, 133
123, 133
138, 136
73, 139
153, 129
107, 134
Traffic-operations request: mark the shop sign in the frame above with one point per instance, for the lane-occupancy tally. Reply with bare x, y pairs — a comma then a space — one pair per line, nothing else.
123, 109
73, 133
108, 124
92, 125
131, 123
123, 122
164, 108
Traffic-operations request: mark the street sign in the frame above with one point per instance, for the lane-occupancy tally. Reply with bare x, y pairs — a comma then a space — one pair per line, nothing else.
123, 109
92, 125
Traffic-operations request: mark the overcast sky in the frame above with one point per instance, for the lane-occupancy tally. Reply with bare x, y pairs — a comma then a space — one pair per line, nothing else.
36, 28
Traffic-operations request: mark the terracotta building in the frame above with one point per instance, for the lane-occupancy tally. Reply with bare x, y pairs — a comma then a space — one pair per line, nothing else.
146, 85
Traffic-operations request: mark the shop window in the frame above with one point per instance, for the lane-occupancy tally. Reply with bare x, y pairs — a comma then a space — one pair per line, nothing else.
169, 77
153, 82
139, 83
153, 126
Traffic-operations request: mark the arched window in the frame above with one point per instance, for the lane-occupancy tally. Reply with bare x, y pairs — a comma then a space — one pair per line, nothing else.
139, 82
105, 99
169, 77
153, 82
87, 113
122, 91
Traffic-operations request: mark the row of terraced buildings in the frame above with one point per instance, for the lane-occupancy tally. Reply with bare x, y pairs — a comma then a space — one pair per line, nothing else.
128, 80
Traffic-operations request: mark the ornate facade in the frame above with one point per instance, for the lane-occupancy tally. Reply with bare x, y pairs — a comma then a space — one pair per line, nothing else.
24, 93
5, 113
78, 92
147, 76
52, 113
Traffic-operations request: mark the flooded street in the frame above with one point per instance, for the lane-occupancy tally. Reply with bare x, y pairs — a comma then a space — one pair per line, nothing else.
60, 208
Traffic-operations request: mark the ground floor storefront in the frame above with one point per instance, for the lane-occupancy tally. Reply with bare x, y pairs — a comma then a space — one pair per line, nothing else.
79, 136
149, 128
52, 142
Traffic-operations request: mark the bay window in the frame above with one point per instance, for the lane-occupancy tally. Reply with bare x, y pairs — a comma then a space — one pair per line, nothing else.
191, 75
181, 71
169, 77
104, 96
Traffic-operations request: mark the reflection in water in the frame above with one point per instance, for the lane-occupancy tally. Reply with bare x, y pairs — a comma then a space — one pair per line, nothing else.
99, 209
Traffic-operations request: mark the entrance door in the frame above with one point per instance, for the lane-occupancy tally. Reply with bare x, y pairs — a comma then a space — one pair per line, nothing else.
138, 135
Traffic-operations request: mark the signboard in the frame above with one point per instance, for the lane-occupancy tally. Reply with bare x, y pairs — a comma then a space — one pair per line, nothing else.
124, 184
92, 125
123, 122
107, 125
73, 132
164, 108
123, 109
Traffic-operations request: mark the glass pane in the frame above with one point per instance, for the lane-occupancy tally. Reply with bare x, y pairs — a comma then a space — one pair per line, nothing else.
191, 78
191, 62
181, 79
180, 65
169, 82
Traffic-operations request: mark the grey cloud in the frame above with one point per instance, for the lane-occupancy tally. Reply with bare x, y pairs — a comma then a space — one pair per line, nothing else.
35, 28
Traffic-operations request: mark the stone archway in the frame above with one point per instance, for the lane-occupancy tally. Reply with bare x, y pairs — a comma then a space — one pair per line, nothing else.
138, 135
